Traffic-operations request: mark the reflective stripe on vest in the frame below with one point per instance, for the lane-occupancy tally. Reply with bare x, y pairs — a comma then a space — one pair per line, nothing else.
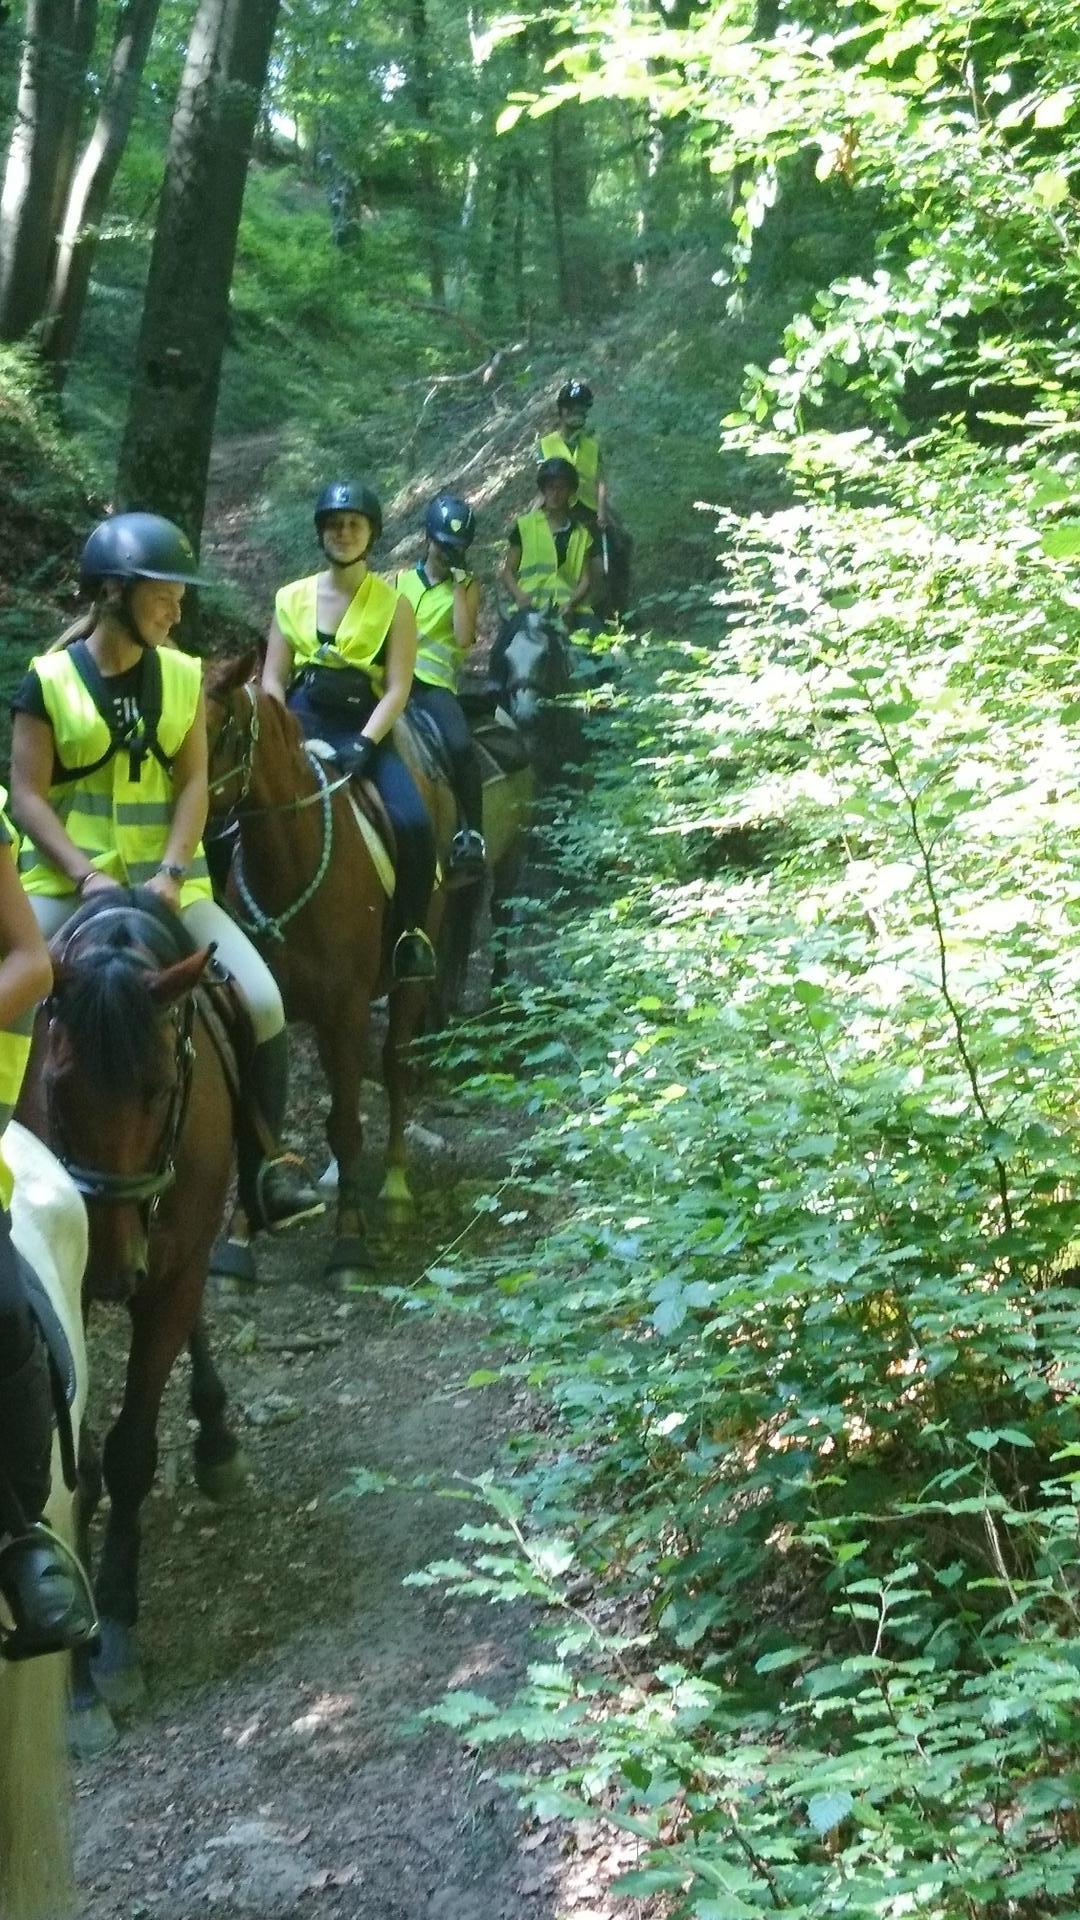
122, 825
438, 656
540, 573
360, 637
585, 457
14, 1040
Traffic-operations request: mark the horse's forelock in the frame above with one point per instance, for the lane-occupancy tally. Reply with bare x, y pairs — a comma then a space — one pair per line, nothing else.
104, 1004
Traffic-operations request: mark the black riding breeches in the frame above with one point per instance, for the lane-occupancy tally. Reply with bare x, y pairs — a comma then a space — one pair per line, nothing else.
446, 711
18, 1328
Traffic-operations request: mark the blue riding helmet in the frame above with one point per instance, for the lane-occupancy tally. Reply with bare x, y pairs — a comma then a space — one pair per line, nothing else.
450, 522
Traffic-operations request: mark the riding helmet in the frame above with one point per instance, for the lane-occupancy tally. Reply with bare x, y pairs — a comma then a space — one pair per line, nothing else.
556, 469
350, 496
576, 393
138, 546
450, 522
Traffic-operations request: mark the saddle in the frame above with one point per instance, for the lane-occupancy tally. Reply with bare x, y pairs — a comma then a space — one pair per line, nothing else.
500, 747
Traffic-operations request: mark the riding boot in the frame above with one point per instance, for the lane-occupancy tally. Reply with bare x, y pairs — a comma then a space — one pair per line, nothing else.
414, 959
45, 1592
276, 1190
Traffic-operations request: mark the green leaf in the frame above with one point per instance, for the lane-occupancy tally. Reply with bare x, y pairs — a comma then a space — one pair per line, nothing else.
785, 1657
1050, 187
826, 1810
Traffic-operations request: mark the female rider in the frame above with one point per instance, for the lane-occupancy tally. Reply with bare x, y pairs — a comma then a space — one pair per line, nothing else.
446, 600
45, 1591
109, 784
340, 655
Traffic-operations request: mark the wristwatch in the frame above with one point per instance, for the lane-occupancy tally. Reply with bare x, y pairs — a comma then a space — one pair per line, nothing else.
173, 871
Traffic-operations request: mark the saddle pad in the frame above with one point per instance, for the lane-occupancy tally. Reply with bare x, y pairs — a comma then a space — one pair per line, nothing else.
502, 750
373, 841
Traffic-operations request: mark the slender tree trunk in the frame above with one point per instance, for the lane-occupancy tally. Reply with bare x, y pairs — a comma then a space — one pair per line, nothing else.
81, 223
430, 191
165, 453
47, 79
79, 55
496, 266
521, 204
569, 206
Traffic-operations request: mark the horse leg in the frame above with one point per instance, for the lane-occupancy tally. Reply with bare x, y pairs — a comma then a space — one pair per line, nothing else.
406, 1005
160, 1321
91, 1728
220, 1467
343, 1050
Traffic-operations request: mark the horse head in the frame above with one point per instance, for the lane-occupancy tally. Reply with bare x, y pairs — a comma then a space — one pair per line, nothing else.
115, 1070
536, 666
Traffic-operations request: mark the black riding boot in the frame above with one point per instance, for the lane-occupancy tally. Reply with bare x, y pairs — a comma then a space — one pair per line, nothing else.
45, 1592
276, 1190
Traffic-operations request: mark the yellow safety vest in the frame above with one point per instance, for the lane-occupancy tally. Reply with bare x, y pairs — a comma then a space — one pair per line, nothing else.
438, 656
121, 824
359, 639
14, 1041
585, 457
539, 573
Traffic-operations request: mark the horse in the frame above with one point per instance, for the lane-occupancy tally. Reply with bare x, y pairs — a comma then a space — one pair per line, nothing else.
534, 663
36, 1880
308, 879
129, 1084
509, 794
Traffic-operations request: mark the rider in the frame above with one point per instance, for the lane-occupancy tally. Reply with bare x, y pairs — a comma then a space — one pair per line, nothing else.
446, 601
340, 655
109, 783
44, 1588
551, 555
572, 441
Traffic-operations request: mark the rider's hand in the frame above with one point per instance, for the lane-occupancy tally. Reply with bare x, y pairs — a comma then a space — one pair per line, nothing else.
166, 888
96, 882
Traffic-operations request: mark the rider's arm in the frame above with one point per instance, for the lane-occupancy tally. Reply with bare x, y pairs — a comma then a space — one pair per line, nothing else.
191, 799
466, 610
400, 661
25, 970
32, 755
508, 574
278, 665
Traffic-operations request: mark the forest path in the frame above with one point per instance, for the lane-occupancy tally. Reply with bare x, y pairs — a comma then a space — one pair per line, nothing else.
238, 468
272, 1773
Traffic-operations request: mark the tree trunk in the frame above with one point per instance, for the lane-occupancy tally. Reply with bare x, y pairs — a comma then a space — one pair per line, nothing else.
47, 79
80, 52
89, 194
430, 193
165, 453
569, 206
496, 264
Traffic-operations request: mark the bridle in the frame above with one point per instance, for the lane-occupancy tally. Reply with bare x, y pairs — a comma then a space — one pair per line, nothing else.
259, 923
144, 1190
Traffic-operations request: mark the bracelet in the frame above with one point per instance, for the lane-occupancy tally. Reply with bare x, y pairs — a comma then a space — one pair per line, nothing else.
173, 872
84, 881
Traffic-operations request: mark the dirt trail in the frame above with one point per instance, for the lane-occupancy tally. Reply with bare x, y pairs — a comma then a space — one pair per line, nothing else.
272, 1773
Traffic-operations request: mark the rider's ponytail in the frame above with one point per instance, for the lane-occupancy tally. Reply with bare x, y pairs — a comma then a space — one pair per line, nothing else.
78, 630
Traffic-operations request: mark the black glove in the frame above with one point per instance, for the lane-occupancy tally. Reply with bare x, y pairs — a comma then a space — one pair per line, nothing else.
358, 758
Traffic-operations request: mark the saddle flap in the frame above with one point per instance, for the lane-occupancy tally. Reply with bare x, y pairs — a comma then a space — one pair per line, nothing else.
61, 1358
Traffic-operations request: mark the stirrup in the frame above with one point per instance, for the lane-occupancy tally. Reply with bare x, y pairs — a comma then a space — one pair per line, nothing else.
309, 1204
415, 968
47, 1595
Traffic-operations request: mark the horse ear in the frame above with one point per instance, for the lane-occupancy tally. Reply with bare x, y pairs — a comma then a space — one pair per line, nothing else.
170, 984
222, 677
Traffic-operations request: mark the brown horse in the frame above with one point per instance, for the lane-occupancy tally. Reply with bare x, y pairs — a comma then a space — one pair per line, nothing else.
126, 1084
305, 883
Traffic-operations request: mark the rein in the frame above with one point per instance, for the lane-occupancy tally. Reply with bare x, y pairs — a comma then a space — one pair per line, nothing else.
262, 925
134, 1189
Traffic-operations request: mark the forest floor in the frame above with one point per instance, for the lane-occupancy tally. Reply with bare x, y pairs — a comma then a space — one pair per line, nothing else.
275, 1769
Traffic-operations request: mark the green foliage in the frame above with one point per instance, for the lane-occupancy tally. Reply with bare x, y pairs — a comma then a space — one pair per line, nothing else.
803, 1074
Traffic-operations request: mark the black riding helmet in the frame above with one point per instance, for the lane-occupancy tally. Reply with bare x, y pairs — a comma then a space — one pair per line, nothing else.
138, 546
556, 469
350, 496
450, 522
576, 393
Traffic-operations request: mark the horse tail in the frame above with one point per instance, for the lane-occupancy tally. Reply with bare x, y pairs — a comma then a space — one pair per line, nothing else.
455, 944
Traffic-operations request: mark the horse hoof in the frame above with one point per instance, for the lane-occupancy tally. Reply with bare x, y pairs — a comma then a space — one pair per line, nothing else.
122, 1689
92, 1731
351, 1264
223, 1481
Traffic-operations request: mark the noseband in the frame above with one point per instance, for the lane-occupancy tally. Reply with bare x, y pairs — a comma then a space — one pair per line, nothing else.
144, 1190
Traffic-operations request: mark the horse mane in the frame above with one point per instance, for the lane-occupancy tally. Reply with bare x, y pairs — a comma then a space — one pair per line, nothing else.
223, 677
104, 997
